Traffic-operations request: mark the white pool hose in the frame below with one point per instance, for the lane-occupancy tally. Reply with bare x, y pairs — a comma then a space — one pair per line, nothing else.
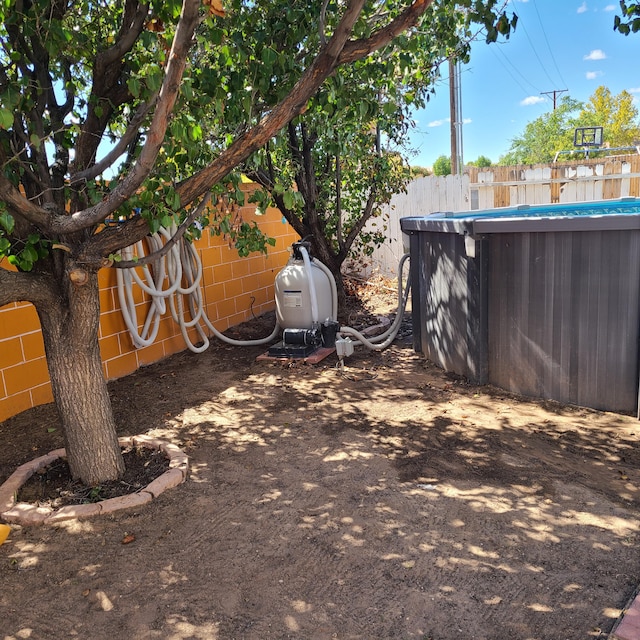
382, 341
182, 267
312, 285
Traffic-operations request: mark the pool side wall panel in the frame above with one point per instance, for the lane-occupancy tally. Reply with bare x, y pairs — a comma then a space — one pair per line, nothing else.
563, 316
449, 303
543, 309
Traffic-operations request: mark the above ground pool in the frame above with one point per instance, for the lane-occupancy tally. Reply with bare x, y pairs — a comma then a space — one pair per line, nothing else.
538, 300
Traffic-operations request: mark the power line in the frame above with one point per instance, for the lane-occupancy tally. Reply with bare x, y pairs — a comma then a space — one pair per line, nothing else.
544, 33
493, 50
521, 23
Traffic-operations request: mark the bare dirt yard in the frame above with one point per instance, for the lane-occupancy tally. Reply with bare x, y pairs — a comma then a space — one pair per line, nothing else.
386, 501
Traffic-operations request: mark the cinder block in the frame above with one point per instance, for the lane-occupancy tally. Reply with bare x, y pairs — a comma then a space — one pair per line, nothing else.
71, 511
26, 514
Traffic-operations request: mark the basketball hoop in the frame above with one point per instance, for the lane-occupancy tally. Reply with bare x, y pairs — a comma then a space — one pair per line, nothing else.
587, 137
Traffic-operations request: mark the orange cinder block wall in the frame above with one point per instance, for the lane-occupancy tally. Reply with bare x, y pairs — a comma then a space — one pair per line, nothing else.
234, 290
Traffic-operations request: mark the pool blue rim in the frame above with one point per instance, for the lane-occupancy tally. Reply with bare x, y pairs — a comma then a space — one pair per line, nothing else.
600, 215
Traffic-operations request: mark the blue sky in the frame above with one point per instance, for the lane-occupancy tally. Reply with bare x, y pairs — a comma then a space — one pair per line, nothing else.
558, 44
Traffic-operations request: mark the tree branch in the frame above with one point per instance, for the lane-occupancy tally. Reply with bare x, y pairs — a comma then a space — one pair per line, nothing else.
37, 288
323, 65
177, 61
359, 225
357, 49
166, 247
119, 148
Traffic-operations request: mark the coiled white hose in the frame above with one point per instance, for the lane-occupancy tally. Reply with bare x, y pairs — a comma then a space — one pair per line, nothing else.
182, 267
386, 338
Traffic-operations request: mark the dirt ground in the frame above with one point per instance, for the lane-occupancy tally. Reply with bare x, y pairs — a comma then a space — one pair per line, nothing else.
386, 501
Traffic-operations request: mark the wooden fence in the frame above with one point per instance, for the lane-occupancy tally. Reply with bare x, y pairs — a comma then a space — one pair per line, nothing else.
580, 181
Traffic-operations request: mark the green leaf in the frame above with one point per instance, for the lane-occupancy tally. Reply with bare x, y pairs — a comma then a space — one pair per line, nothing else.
7, 222
269, 56
134, 86
6, 118
288, 200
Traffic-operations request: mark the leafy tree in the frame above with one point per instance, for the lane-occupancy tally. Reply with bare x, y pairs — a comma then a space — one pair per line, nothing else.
630, 20
420, 172
481, 161
616, 114
545, 135
334, 166
552, 132
442, 166
178, 95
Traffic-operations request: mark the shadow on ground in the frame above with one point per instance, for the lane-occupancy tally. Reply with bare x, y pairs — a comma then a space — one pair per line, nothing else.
388, 500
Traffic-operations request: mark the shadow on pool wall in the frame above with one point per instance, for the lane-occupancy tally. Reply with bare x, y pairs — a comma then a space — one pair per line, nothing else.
541, 301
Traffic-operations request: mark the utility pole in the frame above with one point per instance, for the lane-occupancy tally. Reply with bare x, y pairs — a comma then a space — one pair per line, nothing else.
555, 93
455, 109
453, 117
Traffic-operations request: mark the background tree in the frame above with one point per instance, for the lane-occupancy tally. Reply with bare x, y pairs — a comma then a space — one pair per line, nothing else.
419, 172
554, 131
87, 88
442, 166
481, 161
618, 116
542, 137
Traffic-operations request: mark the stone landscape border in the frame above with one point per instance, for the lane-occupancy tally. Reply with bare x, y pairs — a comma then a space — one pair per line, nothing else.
29, 514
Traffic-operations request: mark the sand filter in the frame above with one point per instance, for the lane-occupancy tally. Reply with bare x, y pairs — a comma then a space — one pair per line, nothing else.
306, 304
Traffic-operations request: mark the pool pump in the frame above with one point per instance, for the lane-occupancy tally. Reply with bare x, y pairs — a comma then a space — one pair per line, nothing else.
306, 305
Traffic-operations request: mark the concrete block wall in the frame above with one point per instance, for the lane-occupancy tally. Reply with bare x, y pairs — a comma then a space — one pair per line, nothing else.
234, 290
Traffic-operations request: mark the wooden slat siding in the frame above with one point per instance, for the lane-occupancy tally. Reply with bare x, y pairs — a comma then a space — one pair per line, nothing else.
449, 303
634, 183
418, 290
609, 189
485, 190
625, 183
563, 316
443, 304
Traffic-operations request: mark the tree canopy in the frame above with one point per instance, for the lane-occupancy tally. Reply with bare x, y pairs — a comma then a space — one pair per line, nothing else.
442, 166
334, 166
481, 161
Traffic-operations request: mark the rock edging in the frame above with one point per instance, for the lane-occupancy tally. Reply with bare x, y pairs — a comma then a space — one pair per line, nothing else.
28, 514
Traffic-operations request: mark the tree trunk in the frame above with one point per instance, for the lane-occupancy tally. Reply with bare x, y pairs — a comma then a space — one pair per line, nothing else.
70, 333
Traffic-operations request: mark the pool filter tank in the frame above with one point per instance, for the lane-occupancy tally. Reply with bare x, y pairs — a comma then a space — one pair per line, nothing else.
304, 305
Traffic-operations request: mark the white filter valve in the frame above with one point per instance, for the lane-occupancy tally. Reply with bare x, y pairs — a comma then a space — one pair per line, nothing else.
344, 347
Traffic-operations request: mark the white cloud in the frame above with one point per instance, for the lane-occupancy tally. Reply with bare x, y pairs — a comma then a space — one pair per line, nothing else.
582, 8
634, 90
592, 75
527, 102
468, 120
596, 54
610, 7
439, 123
